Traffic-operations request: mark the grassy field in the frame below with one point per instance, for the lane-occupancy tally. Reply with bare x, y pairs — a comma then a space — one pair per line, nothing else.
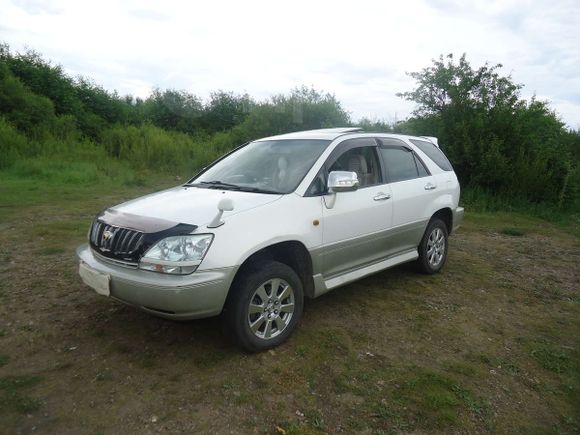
489, 345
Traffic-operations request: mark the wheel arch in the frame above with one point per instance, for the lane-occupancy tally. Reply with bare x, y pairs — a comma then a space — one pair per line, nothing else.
292, 253
446, 215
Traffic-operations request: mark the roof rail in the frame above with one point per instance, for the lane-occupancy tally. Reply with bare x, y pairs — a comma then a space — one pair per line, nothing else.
338, 130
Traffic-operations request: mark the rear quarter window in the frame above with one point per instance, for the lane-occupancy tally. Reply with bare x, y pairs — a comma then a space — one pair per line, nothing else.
434, 153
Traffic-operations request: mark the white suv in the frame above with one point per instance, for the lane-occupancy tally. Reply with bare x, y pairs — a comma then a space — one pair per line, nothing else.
273, 221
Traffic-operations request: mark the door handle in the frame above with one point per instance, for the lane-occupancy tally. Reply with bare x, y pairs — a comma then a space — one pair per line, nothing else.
430, 186
382, 196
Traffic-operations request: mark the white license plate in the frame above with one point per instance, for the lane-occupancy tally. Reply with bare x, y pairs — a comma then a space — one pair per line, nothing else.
98, 281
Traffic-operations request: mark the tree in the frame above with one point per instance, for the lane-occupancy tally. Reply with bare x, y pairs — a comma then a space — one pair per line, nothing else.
225, 110
495, 139
43, 78
446, 84
106, 105
174, 110
25, 109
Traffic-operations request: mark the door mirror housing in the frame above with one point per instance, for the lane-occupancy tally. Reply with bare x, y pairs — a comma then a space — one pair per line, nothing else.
342, 181
225, 204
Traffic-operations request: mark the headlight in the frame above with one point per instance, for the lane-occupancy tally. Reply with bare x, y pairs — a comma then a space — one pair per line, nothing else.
177, 255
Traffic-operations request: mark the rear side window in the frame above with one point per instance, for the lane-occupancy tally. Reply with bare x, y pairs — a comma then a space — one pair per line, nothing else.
434, 153
423, 172
401, 164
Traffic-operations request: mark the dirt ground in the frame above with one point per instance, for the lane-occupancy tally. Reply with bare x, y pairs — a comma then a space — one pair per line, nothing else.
488, 345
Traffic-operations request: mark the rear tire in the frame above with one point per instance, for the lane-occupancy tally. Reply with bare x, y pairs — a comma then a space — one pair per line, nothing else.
264, 306
433, 247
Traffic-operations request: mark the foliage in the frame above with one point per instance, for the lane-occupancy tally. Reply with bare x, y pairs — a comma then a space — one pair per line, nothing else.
50, 122
26, 110
12, 143
225, 110
501, 145
303, 109
497, 141
174, 110
375, 125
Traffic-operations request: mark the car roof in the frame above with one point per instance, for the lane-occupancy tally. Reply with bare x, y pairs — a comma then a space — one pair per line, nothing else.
333, 133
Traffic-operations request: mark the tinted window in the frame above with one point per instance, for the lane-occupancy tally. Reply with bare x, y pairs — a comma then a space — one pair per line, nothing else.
423, 172
363, 161
400, 164
318, 185
392, 142
434, 153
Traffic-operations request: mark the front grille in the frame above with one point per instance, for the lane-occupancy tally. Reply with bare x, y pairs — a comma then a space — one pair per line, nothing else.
129, 264
115, 242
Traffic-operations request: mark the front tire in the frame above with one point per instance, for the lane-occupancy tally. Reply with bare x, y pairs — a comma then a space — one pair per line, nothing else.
433, 247
264, 307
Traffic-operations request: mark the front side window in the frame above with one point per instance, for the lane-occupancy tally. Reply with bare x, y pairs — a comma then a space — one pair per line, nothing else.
402, 165
363, 161
271, 166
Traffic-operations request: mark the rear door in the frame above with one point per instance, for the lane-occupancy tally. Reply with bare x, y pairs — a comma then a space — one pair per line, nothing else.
413, 189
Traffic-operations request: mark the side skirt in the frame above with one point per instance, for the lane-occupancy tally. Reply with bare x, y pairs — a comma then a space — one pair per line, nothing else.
322, 286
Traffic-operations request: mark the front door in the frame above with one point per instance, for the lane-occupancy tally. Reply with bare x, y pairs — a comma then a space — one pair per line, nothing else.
355, 224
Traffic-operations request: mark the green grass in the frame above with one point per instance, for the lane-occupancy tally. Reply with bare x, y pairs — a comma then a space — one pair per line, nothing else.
395, 352
435, 399
11, 396
209, 359
34, 195
551, 358
480, 201
514, 232
522, 224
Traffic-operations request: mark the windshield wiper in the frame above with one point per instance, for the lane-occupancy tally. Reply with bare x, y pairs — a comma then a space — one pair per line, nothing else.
217, 184
258, 190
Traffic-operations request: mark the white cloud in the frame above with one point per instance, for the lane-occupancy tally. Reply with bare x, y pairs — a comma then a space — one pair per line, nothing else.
359, 51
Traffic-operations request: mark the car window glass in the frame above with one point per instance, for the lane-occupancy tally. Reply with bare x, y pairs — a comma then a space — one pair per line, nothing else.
434, 153
363, 161
273, 165
386, 141
400, 164
421, 167
318, 185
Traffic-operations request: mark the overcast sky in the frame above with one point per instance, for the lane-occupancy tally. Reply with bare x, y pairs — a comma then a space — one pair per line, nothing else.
358, 50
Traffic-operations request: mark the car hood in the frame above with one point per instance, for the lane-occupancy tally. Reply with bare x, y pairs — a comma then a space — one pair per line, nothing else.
192, 205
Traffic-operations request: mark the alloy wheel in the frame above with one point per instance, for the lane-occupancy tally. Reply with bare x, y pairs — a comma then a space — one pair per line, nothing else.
271, 308
435, 247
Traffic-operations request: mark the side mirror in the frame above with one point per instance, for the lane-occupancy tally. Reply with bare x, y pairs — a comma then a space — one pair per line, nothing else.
342, 181
225, 204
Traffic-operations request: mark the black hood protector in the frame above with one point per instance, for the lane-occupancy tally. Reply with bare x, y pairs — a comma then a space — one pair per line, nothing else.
126, 237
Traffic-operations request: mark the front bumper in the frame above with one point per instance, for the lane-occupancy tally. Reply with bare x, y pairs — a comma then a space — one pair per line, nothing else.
458, 217
183, 297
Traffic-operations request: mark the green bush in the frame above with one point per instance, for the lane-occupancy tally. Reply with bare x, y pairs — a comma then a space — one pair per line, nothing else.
12, 144
151, 147
508, 152
498, 142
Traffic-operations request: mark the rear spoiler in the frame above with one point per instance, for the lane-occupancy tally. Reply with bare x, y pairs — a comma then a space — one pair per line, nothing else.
431, 139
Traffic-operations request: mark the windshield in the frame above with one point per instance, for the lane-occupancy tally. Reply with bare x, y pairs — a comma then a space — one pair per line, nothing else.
271, 166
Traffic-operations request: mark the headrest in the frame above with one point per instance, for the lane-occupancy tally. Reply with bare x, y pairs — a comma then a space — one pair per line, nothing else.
358, 164
282, 163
